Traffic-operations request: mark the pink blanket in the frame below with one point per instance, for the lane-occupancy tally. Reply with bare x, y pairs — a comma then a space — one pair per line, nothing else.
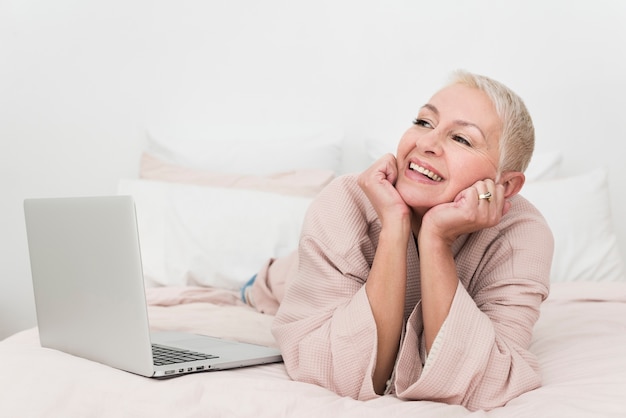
579, 340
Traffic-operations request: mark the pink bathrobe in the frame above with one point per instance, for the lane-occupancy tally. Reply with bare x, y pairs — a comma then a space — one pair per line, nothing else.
325, 327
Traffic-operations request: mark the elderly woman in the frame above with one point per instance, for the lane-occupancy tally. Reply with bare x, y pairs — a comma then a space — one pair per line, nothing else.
423, 276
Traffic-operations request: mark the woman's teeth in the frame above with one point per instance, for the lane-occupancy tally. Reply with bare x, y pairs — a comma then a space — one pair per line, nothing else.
425, 172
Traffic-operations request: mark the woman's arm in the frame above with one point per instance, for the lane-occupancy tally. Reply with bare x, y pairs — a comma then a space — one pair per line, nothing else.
385, 290
325, 325
482, 360
386, 283
341, 321
440, 228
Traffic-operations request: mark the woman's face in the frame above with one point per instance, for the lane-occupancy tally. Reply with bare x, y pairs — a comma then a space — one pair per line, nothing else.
452, 144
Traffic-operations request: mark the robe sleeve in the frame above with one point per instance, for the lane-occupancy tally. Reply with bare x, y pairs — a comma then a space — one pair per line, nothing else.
483, 359
325, 327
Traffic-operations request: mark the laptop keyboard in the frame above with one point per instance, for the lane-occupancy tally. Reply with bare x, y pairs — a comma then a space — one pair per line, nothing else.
163, 355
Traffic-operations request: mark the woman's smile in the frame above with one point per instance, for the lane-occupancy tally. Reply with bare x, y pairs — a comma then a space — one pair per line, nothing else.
425, 171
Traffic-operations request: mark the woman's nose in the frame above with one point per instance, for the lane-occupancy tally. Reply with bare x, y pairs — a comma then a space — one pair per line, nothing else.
430, 142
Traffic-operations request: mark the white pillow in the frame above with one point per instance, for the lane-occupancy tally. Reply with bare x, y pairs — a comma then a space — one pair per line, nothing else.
241, 151
578, 211
211, 236
543, 166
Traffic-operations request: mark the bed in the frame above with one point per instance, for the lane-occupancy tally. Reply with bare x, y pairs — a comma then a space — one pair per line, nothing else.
209, 219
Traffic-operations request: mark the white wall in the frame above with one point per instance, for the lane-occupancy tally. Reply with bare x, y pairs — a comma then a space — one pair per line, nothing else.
80, 81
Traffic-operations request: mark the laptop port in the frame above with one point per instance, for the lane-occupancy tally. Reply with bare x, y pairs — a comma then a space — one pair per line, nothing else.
200, 368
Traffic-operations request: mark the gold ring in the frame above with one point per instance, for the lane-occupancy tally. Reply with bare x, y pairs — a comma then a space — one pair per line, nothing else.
486, 196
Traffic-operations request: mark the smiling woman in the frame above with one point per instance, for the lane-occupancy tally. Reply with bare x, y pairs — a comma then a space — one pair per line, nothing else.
422, 276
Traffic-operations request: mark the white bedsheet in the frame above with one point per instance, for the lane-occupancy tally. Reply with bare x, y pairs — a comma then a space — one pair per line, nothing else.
580, 340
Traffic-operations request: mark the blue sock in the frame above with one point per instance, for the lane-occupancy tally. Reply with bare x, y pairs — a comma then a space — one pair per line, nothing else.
245, 286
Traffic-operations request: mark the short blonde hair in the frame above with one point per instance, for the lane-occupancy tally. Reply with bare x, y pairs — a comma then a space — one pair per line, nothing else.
517, 140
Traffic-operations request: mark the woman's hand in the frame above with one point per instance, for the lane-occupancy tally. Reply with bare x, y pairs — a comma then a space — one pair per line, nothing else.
378, 184
467, 213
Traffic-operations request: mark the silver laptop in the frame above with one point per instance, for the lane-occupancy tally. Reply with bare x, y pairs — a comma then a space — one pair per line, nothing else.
90, 298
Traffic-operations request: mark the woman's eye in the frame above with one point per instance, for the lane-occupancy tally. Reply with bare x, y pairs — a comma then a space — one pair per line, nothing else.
461, 140
422, 122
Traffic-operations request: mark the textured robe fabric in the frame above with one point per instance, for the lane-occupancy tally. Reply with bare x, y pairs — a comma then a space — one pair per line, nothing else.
326, 330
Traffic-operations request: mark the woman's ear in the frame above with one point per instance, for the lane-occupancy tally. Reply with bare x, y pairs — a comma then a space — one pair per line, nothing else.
512, 182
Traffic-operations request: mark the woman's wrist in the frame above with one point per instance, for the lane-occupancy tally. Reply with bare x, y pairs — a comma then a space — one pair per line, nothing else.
396, 230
